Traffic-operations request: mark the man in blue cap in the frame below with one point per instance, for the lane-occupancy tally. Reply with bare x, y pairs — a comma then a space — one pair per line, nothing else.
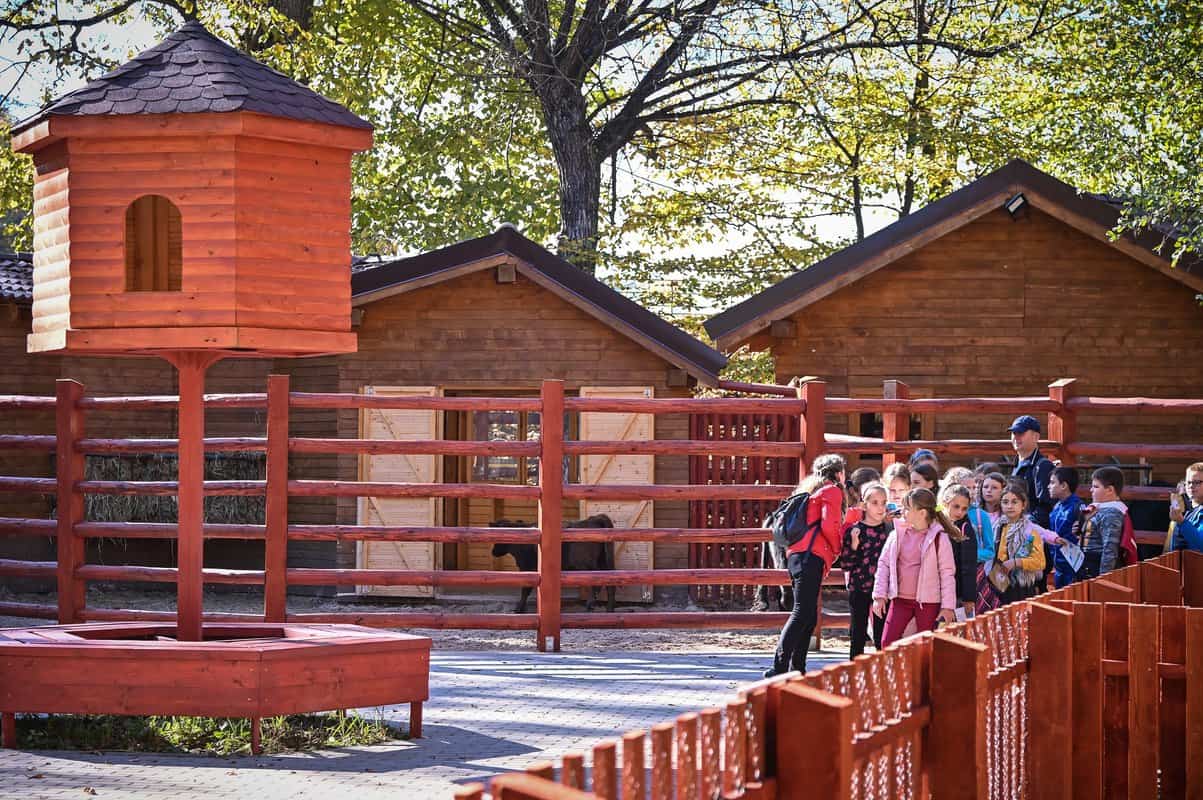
1033, 467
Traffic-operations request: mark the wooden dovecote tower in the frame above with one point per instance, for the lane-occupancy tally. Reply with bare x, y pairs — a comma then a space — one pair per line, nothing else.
192, 199
195, 205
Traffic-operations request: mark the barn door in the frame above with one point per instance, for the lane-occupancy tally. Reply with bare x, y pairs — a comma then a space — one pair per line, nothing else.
402, 424
613, 469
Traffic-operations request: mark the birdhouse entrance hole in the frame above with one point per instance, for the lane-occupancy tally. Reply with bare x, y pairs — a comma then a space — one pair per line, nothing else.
153, 245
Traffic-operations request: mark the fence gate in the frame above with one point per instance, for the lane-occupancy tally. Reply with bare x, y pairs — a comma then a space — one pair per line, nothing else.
710, 469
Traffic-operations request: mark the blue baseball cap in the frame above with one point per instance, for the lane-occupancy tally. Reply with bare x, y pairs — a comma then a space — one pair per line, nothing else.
1025, 423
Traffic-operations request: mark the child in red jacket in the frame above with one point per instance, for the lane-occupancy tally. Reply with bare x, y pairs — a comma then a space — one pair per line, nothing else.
809, 559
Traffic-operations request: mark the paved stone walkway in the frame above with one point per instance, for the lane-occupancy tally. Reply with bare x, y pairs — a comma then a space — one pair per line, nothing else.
489, 712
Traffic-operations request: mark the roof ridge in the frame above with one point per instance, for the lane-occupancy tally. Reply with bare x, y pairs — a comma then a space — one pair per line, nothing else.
192, 70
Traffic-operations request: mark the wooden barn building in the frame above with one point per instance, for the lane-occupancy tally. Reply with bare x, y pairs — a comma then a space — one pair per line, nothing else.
489, 316
966, 298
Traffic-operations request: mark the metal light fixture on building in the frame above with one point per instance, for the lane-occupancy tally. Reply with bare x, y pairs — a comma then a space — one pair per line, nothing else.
1016, 205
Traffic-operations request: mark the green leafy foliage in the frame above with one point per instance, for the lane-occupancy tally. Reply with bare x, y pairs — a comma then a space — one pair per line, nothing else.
213, 736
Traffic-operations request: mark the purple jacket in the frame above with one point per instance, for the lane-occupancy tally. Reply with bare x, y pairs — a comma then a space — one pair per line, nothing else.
937, 568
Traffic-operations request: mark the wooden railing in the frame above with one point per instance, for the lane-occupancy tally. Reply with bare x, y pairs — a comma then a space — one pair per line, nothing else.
71, 443
1088, 692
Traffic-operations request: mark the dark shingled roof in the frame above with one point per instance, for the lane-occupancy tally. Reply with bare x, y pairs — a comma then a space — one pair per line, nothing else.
193, 72
370, 276
16, 277
760, 309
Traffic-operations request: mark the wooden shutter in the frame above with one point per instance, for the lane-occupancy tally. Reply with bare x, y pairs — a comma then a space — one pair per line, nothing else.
613, 469
402, 424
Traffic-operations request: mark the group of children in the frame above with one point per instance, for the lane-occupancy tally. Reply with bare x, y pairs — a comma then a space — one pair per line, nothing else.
929, 549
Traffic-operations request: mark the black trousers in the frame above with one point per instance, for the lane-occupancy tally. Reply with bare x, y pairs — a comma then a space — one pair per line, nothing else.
860, 604
806, 571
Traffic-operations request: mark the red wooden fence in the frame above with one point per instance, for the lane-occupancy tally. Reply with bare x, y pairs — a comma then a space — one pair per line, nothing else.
71, 441
717, 468
1090, 692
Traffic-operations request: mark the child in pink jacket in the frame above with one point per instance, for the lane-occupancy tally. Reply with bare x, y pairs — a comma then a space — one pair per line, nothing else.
916, 569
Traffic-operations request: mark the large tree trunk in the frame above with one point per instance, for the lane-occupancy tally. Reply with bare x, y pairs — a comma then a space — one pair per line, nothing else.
579, 170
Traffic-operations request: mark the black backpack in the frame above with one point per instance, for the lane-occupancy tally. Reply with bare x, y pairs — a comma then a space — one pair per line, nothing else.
788, 521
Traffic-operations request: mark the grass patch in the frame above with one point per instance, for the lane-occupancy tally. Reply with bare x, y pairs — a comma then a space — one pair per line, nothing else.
206, 735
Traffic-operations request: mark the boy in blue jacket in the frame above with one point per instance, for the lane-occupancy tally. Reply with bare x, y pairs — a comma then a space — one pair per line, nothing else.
1064, 519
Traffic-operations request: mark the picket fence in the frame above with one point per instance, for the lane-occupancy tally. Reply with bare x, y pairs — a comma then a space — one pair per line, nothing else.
1092, 691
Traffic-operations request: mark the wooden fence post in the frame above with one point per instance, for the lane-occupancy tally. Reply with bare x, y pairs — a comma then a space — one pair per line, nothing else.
69, 469
1171, 717
1194, 703
1050, 701
895, 427
814, 435
1086, 755
551, 512
1144, 697
275, 551
956, 739
1063, 424
634, 780
818, 762
687, 755
814, 423
1192, 579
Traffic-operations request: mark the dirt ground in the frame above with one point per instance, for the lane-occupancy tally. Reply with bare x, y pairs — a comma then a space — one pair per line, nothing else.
571, 640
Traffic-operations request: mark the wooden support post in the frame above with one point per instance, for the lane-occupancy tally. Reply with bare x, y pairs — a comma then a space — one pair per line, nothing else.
275, 551
1103, 590
735, 748
814, 422
820, 763
1144, 697
662, 760
687, 755
710, 745
1160, 586
1171, 716
1194, 704
1050, 701
517, 786
256, 735
415, 720
8, 730
895, 427
1192, 579
572, 771
190, 540
1115, 700
1087, 736
956, 740
551, 512
814, 436
634, 781
69, 466
1063, 424
605, 783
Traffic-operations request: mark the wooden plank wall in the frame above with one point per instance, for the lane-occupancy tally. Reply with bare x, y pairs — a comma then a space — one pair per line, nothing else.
457, 335
19, 375
1002, 308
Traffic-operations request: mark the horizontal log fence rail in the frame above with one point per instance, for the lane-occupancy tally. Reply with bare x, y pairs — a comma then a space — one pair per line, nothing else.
1087, 692
808, 406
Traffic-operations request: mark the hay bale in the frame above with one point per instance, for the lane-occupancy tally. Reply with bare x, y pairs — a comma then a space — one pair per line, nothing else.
163, 467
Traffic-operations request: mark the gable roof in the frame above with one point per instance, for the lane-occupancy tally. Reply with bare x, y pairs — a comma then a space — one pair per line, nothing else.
192, 72
1089, 214
16, 277
371, 282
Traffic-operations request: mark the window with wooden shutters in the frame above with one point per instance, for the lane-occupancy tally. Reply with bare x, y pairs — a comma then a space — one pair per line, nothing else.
153, 245
400, 424
620, 469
